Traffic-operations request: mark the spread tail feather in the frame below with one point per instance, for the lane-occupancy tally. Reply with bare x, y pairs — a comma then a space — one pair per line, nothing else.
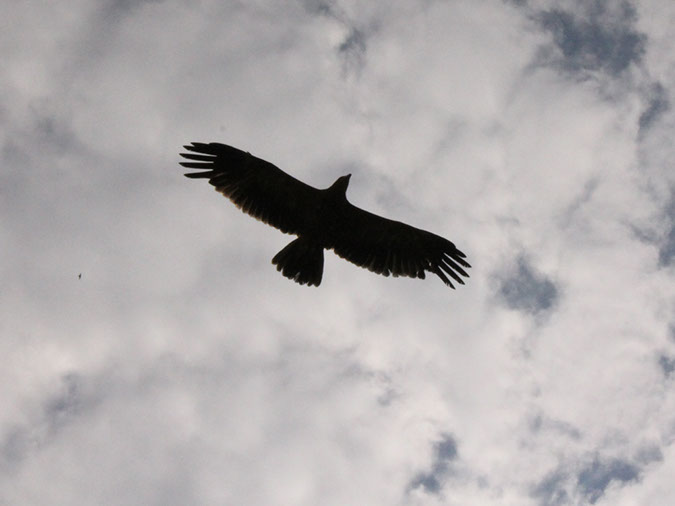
302, 261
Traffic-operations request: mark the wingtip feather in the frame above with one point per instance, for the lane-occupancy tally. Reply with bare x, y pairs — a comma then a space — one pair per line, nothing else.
198, 175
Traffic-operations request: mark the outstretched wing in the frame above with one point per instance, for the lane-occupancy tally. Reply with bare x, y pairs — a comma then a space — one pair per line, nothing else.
391, 247
255, 186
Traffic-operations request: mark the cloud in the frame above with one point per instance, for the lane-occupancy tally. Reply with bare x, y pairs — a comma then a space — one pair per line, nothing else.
551, 490
353, 49
589, 480
182, 368
55, 414
602, 38
445, 452
526, 290
596, 476
658, 104
667, 365
667, 246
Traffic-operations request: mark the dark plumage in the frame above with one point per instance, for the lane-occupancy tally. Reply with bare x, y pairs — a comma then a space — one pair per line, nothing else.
322, 219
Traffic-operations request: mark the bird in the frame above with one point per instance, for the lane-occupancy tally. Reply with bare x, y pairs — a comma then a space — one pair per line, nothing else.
322, 219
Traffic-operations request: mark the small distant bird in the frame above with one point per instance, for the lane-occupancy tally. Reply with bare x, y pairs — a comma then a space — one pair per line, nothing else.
322, 219
79, 276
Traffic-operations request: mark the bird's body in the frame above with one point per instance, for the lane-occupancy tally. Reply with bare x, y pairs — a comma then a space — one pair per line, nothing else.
322, 219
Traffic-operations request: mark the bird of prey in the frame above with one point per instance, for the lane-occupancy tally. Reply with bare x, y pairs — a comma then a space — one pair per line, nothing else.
322, 219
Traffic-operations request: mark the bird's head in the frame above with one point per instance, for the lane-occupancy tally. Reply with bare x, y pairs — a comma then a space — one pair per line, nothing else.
340, 185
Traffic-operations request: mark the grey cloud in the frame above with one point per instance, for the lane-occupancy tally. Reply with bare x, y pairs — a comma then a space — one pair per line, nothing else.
589, 481
129, 5
658, 104
67, 402
321, 7
57, 411
428, 482
594, 478
667, 365
584, 197
55, 132
445, 451
48, 125
600, 40
661, 234
353, 50
541, 423
551, 490
526, 290
667, 248
15, 444
648, 454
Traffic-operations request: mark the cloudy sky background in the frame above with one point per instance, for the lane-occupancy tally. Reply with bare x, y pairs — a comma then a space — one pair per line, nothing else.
183, 369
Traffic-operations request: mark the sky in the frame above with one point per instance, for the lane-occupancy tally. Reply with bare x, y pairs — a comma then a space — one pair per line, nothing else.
181, 368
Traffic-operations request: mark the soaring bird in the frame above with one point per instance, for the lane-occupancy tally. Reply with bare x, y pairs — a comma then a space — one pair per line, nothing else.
322, 219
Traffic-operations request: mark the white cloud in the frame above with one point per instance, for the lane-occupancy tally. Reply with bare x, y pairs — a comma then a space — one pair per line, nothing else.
182, 368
